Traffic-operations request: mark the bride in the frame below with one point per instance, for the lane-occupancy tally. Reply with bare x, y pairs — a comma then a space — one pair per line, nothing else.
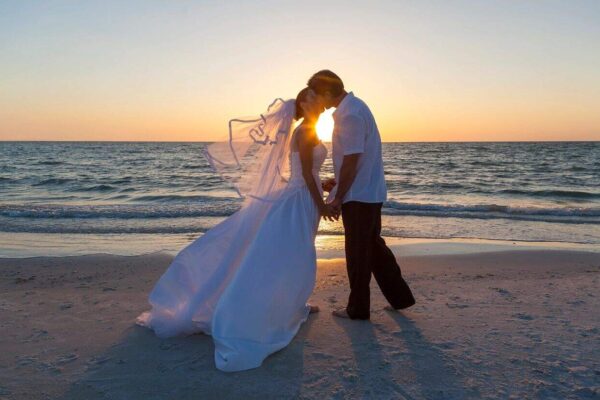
246, 281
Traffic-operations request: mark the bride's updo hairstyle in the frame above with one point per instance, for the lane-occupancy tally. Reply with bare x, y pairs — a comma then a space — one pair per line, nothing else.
300, 99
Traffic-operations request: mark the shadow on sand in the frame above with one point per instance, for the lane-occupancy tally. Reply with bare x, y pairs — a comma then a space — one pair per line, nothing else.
418, 371
435, 377
143, 366
399, 365
374, 374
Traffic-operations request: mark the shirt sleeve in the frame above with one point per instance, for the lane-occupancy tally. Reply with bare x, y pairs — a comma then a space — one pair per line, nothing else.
352, 134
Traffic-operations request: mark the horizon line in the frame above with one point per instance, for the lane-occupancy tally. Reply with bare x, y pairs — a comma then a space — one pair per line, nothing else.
383, 141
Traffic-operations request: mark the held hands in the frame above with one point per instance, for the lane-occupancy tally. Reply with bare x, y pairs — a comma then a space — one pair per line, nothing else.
328, 213
331, 211
336, 207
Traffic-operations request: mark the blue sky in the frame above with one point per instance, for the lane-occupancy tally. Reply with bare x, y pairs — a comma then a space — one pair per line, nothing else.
430, 70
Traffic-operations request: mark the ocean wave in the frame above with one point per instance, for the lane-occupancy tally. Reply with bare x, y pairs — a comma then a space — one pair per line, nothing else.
52, 181
217, 208
50, 162
206, 206
97, 188
577, 168
494, 211
104, 230
568, 194
125, 179
193, 230
173, 198
193, 166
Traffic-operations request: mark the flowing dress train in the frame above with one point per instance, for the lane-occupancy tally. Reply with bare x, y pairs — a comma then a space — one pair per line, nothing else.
247, 280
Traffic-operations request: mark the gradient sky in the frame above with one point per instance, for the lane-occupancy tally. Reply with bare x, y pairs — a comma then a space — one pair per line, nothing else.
178, 70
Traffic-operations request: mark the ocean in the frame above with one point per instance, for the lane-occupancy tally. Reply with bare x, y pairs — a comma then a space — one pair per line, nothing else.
66, 197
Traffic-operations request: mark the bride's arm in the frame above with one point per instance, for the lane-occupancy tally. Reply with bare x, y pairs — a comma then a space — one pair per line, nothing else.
305, 147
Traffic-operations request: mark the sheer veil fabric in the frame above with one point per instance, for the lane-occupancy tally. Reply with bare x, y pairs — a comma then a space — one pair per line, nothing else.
254, 158
246, 281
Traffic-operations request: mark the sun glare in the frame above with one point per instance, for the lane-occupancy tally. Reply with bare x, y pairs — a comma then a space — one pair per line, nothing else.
325, 125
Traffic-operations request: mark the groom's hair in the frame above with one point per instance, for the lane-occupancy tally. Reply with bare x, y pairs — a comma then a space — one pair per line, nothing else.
326, 81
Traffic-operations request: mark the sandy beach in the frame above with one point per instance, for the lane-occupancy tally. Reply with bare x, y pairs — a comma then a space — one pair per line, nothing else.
510, 324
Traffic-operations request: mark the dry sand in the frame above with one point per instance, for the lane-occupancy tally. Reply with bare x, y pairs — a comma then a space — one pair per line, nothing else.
514, 324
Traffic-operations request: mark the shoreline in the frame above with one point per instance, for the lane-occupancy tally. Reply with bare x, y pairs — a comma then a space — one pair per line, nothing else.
28, 245
520, 324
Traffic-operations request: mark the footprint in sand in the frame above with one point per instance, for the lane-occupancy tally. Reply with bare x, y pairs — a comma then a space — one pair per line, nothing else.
24, 361
445, 345
67, 358
98, 360
167, 346
503, 292
453, 305
23, 280
522, 316
38, 334
321, 356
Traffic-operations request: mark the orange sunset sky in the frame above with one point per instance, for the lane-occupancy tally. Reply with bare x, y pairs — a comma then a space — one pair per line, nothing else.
177, 71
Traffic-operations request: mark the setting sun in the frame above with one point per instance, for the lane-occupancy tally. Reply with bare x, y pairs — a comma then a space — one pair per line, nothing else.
325, 125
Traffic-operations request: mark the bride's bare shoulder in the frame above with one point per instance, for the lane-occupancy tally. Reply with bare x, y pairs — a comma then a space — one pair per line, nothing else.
304, 133
300, 130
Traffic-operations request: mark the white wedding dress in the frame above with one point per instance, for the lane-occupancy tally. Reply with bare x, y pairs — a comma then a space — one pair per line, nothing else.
246, 281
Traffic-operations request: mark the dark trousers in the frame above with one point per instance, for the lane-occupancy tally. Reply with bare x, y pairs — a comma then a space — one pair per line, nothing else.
366, 253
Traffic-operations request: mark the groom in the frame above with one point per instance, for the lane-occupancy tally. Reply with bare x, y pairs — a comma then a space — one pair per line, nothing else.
359, 196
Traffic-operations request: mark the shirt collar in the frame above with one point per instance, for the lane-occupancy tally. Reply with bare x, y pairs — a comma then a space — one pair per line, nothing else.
343, 104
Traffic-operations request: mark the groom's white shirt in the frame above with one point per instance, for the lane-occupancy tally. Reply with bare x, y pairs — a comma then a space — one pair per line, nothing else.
355, 131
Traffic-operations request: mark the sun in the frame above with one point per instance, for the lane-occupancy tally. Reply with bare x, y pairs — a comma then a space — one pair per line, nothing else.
325, 125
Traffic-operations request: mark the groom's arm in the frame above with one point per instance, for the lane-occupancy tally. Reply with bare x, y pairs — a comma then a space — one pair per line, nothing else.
347, 175
352, 140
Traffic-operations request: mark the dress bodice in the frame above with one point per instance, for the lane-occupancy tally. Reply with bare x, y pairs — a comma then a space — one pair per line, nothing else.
319, 155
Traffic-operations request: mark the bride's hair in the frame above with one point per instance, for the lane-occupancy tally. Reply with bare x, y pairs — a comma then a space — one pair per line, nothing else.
301, 97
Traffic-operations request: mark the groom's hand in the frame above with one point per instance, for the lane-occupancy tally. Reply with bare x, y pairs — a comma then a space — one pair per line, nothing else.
336, 206
327, 212
328, 184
